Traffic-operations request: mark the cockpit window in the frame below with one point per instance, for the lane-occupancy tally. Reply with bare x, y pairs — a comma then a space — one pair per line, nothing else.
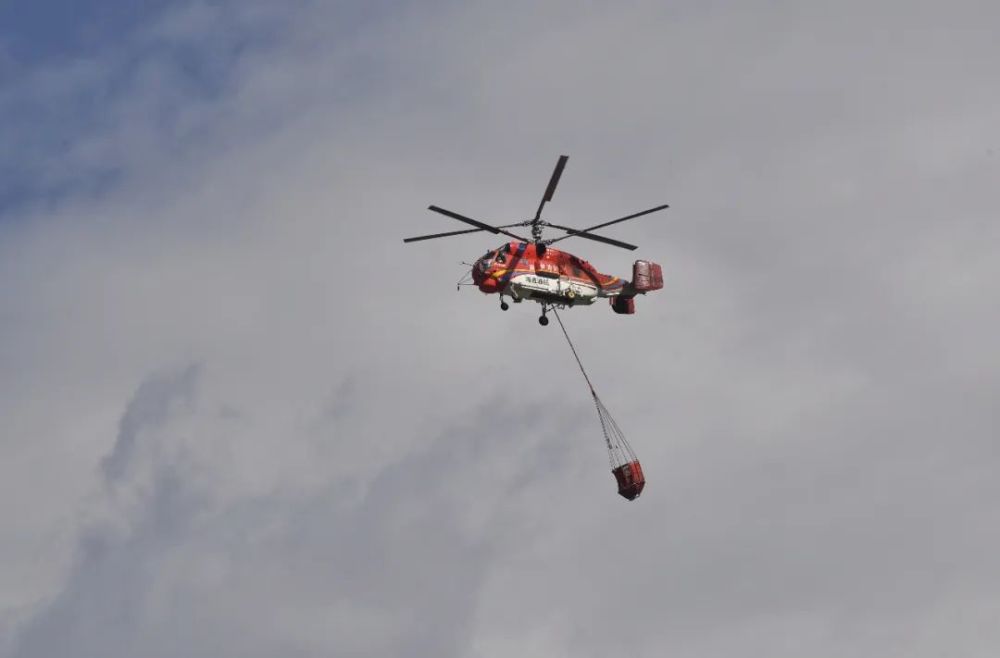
486, 261
502, 253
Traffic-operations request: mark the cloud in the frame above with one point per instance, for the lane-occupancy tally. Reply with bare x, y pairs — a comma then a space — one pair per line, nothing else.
152, 405
395, 565
364, 462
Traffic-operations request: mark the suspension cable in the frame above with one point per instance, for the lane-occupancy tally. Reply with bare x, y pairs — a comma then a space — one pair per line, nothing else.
619, 450
573, 349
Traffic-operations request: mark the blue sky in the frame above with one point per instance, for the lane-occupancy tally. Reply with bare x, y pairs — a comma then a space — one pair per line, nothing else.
41, 37
66, 69
36, 33
70, 85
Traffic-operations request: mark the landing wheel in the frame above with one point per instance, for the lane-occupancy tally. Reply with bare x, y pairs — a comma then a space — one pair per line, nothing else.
544, 320
504, 306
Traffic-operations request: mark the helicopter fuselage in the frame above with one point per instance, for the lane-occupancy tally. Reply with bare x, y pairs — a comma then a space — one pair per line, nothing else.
525, 270
531, 269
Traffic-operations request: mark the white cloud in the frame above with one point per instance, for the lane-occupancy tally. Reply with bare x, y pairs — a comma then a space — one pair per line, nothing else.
240, 417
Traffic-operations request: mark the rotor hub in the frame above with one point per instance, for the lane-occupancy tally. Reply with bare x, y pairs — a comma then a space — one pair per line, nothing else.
536, 231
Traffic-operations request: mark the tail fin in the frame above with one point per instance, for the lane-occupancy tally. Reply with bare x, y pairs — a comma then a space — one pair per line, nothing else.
646, 276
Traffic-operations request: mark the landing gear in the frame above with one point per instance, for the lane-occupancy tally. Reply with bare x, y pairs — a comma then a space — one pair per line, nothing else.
504, 305
543, 320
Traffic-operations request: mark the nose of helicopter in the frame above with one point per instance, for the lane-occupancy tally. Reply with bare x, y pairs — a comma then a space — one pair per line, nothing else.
488, 283
484, 278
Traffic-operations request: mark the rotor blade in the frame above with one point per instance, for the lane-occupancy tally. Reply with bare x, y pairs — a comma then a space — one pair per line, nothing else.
614, 221
442, 235
463, 218
450, 233
590, 236
481, 225
556, 174
622, 219
550, 190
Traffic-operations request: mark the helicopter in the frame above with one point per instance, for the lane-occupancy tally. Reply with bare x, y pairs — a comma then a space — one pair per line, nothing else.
530, 269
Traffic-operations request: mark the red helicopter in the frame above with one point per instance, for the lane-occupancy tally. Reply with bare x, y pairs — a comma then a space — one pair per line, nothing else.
530, 269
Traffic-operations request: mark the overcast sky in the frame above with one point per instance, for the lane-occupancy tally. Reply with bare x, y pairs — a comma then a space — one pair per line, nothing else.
239, 417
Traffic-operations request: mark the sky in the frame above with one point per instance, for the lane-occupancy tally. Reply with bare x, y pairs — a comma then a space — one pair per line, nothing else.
239, 417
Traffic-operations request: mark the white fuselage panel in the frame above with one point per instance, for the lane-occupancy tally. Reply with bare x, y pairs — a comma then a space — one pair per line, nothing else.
531, 286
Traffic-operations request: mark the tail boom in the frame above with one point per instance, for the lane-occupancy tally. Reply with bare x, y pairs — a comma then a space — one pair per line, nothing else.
647, 276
